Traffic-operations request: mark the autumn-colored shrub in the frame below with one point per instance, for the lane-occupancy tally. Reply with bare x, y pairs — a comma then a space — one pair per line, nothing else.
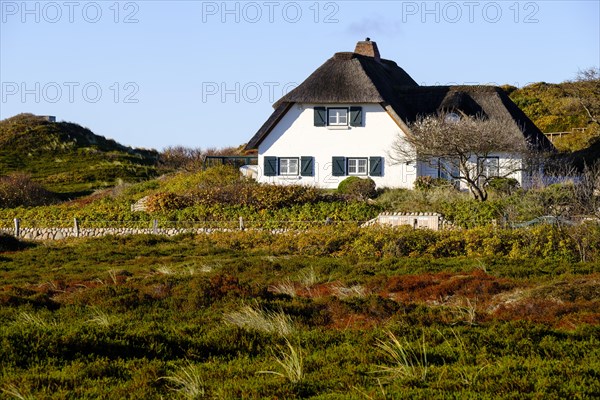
440, 286
428, 182
167, 201
17, 189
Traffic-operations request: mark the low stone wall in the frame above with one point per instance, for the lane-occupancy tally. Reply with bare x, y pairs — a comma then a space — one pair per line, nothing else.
63, 233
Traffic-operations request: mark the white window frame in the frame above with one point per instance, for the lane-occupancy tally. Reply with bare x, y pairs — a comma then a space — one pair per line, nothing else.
452, 118
484, 166
355, 169
285, 163
337, 116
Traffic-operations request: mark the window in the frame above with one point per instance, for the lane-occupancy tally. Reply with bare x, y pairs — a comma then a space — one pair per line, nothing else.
444, 169
342, 166
288, 166
337, 116
452, 117
357, 166
489, 166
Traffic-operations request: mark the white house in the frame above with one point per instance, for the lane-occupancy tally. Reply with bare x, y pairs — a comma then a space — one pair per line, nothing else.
342, 120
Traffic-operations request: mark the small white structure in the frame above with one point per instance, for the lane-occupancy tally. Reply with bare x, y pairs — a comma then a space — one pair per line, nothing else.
417, 220
342, 120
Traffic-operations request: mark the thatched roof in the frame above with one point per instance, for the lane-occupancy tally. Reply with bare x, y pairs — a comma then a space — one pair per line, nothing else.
352, 78
349, 78
487, 101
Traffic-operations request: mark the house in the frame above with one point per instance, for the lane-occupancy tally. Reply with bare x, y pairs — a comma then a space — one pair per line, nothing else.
342, 120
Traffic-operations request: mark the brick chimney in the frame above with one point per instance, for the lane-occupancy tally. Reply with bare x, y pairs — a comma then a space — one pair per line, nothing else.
367, 48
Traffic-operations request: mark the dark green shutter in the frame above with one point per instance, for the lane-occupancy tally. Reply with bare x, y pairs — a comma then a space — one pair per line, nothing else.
376, 166
320, 116
270, 166
307, 166
356, 116
338, 166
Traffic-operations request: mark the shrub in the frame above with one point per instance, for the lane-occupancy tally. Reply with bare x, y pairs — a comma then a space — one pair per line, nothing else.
428, 182
505, 186
18, 189
356, 187
166, 201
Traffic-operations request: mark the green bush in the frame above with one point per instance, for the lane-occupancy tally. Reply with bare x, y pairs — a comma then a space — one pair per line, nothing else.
355, 187
504, 186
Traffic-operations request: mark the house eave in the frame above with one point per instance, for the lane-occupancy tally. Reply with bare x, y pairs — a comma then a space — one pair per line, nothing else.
268, 126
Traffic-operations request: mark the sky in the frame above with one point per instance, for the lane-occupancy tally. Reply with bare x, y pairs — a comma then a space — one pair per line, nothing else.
204, 74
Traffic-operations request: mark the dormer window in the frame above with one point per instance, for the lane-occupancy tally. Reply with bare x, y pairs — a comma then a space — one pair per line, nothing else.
337, 116
452, 117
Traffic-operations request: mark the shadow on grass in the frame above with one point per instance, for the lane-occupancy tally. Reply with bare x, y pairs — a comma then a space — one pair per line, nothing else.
11, 243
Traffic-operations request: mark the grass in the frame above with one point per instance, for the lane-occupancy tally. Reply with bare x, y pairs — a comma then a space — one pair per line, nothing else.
100, 318
286, 287
15, 393
252, 317
465, 310
344, 292
290, 361
406, 361
68, 329
187, 382
26, 318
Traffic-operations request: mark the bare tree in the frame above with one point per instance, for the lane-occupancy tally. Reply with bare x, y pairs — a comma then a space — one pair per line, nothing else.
586, 89
586, 197
182, 158
189, 159
464, 149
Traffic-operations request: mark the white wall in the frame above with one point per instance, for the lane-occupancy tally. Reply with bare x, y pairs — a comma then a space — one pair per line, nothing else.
510, 166
295, 136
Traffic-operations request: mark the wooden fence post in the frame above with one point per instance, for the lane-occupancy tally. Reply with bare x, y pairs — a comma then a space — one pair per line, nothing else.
76, 227
242, 227
17, 227
155, 227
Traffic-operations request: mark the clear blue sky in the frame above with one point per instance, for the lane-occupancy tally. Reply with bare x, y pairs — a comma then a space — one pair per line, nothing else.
205, 73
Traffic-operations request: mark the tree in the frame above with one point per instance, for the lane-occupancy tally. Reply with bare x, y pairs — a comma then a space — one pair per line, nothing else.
464, 149
586, 196
586, 89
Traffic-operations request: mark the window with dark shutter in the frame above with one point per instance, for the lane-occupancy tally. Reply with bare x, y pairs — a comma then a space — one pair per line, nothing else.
356, 116
320, 116
376, 166
270, 166
307, 166
338, 165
